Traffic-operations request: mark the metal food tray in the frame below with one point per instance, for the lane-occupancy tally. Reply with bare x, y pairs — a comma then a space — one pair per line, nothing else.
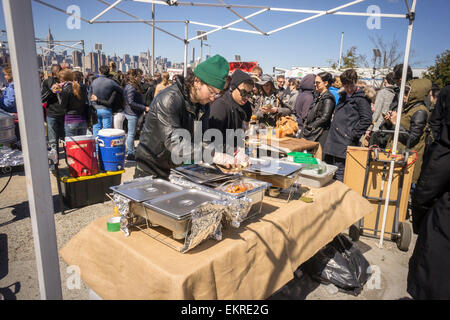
201, 173
273, 167
140, 191
276, 180
256, 194
172, 211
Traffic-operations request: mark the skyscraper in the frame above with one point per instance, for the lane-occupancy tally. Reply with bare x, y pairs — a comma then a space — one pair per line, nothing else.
76, 57
92, 62
50, 44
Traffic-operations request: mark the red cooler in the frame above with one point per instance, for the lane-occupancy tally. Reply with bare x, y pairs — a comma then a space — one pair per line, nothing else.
81, 155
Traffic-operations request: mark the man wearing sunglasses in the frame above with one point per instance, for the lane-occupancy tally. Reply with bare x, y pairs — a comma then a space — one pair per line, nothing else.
233, 109
183, 106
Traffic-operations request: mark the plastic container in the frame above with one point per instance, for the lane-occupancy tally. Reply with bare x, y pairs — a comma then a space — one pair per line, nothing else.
81, 155
84, 191
311, 178
111, 143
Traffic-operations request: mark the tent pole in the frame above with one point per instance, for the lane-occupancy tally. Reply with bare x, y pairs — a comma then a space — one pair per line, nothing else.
340, 51
19, 26
153, 39
186, 43
399, 115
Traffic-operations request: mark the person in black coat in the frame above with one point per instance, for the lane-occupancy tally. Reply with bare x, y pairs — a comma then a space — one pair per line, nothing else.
318, 121
232, 109
428, 276
54, 112
352, 117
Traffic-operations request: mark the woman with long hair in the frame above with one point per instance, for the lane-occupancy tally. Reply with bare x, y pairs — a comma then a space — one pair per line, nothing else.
73, 99
134, 107
318, 119
165, 82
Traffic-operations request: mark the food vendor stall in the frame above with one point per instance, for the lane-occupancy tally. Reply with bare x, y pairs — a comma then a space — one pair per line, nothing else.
211, 233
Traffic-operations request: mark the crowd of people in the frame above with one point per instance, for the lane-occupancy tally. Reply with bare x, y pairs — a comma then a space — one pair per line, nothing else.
335, 110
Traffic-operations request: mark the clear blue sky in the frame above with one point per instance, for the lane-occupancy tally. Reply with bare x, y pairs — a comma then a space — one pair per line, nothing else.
312, 43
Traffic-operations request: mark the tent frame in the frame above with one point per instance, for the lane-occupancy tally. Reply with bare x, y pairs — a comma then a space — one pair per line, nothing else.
20, 29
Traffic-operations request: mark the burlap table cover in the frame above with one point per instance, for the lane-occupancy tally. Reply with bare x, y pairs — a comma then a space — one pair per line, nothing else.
251, 262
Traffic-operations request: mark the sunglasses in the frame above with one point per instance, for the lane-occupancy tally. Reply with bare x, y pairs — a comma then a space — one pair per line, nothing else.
245, 93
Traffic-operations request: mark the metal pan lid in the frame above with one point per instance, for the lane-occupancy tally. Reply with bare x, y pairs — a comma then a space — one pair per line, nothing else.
181, 204
140, 191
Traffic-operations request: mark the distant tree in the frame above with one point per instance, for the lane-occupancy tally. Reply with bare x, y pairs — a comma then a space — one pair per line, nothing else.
390, 53
440, 72
351, 59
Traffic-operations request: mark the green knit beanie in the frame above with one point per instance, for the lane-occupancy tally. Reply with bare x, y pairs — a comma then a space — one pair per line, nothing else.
213, 71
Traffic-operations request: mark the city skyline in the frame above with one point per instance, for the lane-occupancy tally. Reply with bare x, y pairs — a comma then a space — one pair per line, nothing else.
92, 60
315, 43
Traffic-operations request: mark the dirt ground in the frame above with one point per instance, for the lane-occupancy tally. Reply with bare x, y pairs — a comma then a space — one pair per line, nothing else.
18, 272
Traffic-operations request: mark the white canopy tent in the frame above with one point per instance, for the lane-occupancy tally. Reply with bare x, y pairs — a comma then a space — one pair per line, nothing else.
20, 30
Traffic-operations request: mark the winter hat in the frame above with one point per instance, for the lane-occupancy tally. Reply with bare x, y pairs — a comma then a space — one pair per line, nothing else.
213, 71
238, 77
264, 79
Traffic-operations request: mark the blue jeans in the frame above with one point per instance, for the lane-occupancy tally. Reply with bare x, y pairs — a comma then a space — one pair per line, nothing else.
132, 123
55, 130
75, 129
105, 120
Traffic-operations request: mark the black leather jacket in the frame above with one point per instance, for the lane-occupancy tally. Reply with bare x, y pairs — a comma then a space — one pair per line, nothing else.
158, 146
319, 116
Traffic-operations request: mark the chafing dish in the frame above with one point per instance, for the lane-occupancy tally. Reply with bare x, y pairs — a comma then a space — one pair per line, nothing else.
145, 189
172, 211
255, 192
201, 173
278, 173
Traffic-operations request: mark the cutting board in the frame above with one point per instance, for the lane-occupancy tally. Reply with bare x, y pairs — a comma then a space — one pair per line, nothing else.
299, 145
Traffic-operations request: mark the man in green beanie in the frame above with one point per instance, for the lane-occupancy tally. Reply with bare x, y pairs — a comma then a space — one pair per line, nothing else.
168, 132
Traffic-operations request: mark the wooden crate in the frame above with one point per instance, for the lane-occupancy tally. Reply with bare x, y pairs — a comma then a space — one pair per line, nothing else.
355, 167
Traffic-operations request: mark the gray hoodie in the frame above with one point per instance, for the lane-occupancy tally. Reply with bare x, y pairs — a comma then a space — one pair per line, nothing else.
305, 97
382, 103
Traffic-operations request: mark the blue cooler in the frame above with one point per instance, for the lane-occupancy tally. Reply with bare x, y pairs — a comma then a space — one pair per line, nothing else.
111, 145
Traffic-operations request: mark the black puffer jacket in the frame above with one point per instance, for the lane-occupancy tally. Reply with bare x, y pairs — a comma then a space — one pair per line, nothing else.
319, 116
158, 144
352, 117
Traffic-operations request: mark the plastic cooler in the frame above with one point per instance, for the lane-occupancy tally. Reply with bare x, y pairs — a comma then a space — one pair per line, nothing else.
81, 155
111, 146
84, 191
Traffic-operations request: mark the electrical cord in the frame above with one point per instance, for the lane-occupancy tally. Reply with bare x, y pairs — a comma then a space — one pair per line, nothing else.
9, 179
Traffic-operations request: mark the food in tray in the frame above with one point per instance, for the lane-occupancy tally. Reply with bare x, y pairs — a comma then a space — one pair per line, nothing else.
286, 126
238, 187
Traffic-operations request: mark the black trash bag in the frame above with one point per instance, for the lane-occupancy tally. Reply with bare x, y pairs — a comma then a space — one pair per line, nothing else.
339, 263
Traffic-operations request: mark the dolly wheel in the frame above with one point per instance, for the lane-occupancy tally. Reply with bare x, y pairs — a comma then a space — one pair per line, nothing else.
404, 239
354, 232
